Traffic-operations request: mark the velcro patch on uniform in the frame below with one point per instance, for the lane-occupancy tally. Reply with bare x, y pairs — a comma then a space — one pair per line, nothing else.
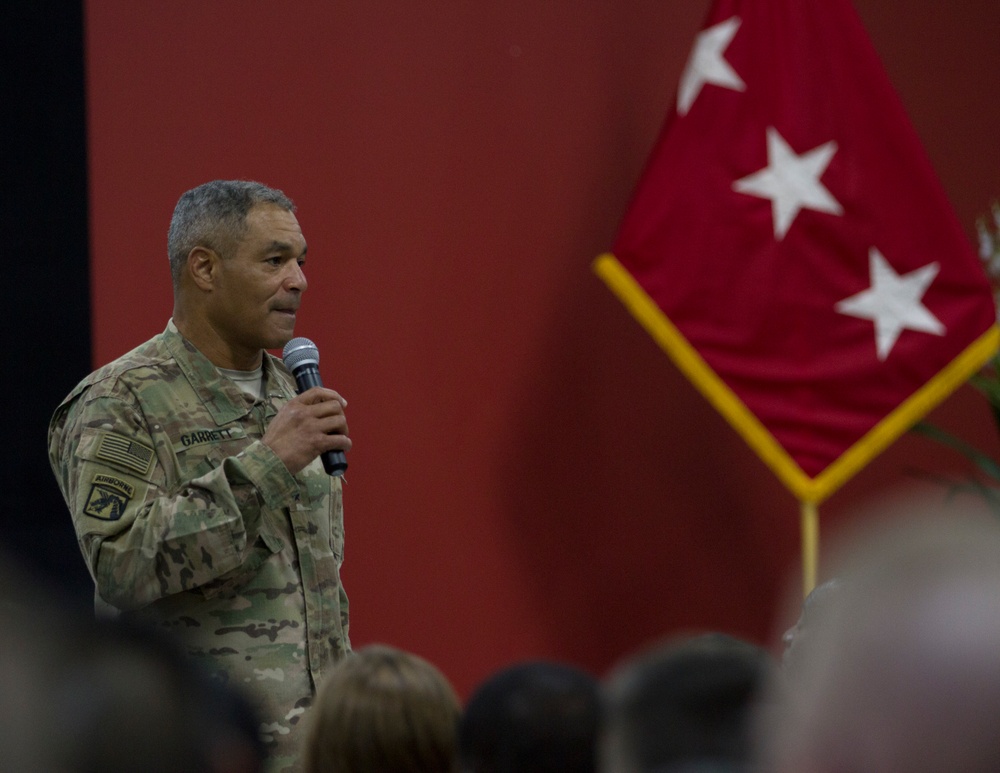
200, 437
125, 452
109, 496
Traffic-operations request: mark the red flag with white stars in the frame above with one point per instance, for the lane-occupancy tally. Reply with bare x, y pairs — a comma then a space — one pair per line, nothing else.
790, 246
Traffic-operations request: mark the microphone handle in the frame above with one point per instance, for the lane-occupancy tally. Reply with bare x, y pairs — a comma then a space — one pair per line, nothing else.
307, 377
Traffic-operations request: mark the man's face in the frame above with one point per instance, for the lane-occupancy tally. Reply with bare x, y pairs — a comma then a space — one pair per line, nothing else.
259, 286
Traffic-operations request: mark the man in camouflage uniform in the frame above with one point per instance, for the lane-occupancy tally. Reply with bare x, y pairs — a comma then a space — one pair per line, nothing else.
192, 469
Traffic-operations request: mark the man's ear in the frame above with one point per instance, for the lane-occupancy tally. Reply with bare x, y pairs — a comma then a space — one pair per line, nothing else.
202, 266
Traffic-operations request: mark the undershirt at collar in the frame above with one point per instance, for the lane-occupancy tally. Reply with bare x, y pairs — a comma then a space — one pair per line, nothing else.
250, 382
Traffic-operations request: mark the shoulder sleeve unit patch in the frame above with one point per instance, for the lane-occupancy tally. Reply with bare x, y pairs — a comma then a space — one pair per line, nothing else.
108, 498
125, 453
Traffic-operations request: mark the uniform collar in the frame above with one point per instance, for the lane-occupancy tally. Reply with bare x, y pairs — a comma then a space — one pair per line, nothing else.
221, 397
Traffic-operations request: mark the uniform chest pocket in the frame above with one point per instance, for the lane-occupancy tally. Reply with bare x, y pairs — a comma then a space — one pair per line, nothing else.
322, 495
314, 486
200, 451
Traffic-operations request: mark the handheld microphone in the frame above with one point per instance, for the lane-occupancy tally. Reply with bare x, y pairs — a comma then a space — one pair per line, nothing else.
302, 358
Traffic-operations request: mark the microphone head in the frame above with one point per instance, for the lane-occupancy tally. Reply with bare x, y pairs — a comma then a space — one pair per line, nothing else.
299, 352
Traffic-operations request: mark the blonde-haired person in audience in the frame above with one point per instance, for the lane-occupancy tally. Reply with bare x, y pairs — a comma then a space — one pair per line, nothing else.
383, 710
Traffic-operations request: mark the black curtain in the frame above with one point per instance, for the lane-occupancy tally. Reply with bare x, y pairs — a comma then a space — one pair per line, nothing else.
46, 306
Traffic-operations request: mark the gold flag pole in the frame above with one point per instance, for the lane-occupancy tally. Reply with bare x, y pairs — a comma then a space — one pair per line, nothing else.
810, 546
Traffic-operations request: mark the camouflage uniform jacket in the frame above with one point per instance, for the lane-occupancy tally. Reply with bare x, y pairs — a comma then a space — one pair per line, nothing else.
186, 519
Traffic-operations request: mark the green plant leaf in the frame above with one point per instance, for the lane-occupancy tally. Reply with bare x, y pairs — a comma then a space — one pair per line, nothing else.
982, 460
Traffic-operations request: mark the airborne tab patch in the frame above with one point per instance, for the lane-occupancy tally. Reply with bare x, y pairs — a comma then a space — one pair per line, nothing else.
109, 496
124, 452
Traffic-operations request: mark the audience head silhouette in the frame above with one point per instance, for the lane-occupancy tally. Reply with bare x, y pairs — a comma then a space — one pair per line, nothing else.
532, 717
902, 672
686, 704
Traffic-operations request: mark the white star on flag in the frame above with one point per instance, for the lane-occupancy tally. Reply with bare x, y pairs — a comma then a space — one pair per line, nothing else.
893, 302
791, 181
706, 65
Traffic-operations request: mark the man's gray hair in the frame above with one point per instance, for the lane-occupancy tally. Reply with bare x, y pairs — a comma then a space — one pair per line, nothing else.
214, 215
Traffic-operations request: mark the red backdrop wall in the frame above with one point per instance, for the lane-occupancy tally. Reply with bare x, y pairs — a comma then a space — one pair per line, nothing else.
531, 476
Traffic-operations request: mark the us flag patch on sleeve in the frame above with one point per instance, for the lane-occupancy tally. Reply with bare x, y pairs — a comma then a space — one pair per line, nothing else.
124, 452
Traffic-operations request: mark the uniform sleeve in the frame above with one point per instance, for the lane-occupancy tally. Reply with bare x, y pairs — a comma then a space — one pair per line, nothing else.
143, 540
345, 617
